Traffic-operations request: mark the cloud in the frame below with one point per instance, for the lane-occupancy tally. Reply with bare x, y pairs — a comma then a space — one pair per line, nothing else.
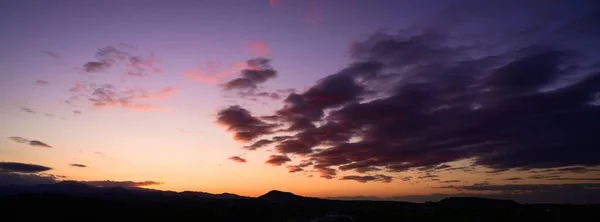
514, 178
364, 179
76, 112
112, 183
138, 66
54, 55
245, 126
422, 98
77, 165
39, 143
30, 142
278, 160
42, 82
258, 144
108, 95
11, 178
315, 13
25, 109
450, 181
213, 72
293, 169
254, 95
237, 159
274, 3
22, 167
258, 48
110, 56
258, 71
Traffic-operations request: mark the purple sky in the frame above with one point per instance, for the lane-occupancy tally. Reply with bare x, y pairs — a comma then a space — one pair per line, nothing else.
134, 89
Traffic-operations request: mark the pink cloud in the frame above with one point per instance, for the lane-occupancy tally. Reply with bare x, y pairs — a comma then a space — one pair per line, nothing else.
274, 3
214, 72
258, 48
76, 88
141, 107
315, 13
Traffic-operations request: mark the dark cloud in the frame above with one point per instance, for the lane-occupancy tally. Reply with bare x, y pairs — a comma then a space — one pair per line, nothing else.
77, 165
364, 179
514, 178
237, 159
450, 181
259, 71
22, 167
39, 143
42, 82
245, 126
30, 142
577, 169
112, 183
11, 178
95, 66
25, 109
423, 98
278, 160
54, 55
110, 56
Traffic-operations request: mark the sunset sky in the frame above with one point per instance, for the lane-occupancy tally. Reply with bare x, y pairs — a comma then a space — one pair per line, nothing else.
397, 99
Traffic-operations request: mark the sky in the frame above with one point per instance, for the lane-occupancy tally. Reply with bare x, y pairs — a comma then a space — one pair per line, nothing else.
349, 99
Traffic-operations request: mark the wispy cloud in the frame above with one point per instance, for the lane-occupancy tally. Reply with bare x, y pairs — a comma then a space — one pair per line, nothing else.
108, 95
42, 82
30, 142
274, 3
77, 165
364, 179
54, 55
258, 48
315, 14
28, 110
110, 56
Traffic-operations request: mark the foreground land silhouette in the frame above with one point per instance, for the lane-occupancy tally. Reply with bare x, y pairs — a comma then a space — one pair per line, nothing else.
72, 201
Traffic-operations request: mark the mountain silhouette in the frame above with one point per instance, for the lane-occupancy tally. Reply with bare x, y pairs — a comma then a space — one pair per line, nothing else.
119, 193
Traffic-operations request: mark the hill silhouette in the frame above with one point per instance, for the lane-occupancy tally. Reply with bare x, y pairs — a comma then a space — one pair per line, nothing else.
285, 197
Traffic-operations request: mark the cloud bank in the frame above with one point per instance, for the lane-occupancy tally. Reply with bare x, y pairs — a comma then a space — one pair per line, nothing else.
421, 98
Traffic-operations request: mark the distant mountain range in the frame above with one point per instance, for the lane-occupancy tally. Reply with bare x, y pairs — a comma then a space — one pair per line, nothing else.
68, 201
72, 188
